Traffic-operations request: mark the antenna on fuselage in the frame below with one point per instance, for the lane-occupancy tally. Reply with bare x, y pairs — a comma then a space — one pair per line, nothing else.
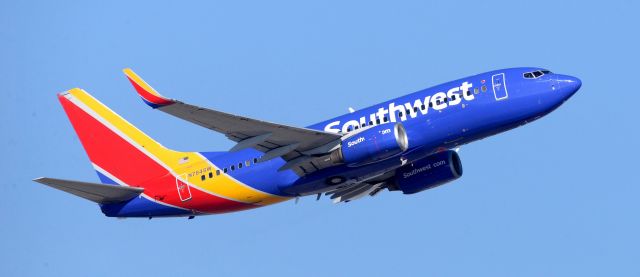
351, 110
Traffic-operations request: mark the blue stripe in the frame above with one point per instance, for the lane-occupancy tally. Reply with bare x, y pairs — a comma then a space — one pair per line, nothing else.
153, 105
141, 207
137, 207
106, 180
262, 176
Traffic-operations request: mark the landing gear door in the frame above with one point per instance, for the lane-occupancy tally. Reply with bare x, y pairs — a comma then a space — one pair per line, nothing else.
499, 87
183, 188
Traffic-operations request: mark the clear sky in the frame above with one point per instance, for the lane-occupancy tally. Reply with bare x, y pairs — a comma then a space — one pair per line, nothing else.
558, 197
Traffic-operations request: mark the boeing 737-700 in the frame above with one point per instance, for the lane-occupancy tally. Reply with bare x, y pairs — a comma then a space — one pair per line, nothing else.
405, 144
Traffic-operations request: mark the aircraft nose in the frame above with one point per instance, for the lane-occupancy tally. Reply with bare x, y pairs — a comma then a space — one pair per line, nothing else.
568, 85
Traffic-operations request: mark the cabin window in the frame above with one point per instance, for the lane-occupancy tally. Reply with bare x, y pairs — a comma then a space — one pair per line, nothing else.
476, 90
384, 119
370, 123
415, 109
202, 177
255, 160
233, 167
247, 163
484, 88
364, 124
400, 114
224, 170
218, 172
422, 107
239, 165
378, 121
210, 174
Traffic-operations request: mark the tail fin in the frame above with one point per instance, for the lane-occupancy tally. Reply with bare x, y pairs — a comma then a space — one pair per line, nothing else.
120, 152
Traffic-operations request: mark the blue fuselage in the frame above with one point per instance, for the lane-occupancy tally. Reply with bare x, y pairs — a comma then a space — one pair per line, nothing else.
441, 117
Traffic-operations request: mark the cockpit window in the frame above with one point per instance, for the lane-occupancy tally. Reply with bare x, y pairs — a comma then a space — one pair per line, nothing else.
535, 74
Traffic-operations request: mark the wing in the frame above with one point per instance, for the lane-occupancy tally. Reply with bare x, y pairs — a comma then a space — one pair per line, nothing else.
355, 191
302, 148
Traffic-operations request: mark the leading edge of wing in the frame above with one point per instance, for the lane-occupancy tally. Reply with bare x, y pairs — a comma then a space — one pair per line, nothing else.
237, 128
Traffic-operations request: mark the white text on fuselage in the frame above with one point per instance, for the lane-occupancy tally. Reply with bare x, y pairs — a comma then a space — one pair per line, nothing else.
421, 106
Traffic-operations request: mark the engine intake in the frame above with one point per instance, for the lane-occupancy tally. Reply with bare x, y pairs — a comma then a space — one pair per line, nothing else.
430, 172
372, 144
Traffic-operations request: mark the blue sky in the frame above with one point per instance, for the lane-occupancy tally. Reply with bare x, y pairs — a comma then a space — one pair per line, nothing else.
558, 197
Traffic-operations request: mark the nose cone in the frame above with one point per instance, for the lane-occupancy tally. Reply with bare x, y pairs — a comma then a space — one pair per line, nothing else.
568, 85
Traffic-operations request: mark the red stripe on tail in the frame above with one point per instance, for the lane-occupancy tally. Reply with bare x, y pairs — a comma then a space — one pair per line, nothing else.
120, 158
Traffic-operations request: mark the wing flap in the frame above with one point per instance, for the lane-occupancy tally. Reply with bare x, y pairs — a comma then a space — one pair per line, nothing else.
99, 193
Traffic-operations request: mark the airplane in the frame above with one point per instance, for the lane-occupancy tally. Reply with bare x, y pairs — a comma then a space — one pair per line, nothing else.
407, 144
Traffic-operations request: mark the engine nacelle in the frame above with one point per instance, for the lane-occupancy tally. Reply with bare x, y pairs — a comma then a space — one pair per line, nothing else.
430, 172
372, 144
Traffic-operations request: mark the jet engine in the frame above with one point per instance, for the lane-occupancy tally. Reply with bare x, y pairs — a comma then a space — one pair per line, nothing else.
432, 171
372, 144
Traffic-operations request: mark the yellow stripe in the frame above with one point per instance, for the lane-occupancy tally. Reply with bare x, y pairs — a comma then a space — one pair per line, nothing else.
221, 185
140, 82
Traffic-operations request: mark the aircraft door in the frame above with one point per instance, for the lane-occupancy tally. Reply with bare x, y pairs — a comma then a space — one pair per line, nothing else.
182, 186
499, 86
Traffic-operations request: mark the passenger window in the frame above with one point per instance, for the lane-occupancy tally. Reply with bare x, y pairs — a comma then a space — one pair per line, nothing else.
202, 177
218, 172
476, 90
400, 114
378, 121
224, 170
210, 174
239, 165
415, 109
255, 160
431, 104
247, 163
384, 119
233, 167
422, 107
484, 88
364, 124
370, 123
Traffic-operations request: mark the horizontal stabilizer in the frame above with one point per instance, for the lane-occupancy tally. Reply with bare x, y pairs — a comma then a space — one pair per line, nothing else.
99, 193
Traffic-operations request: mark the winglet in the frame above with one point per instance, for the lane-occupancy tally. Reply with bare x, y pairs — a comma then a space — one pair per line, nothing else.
148, 94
